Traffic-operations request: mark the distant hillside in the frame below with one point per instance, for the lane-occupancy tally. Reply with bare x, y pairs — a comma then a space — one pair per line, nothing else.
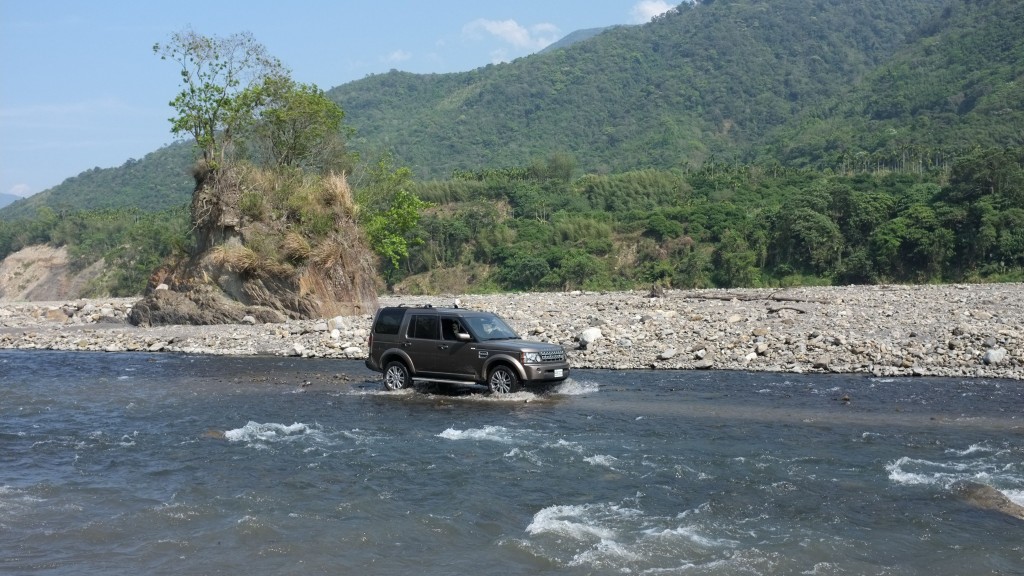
6, 199
574, 37
712, 80
957, 86
159, 181
806, 83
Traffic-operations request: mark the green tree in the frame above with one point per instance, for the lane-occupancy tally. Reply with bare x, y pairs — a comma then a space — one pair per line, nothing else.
735, 262
390, 231
807, 240
296, 125
390, 213
578, 269
216, 76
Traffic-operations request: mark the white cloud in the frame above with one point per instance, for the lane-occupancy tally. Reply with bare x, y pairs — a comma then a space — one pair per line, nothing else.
644, 10
511, 32
23, 190
398, 56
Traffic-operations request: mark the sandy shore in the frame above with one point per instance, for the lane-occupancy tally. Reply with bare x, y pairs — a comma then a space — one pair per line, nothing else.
947, 330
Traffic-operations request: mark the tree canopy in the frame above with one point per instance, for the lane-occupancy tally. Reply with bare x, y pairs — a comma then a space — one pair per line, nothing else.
217, 75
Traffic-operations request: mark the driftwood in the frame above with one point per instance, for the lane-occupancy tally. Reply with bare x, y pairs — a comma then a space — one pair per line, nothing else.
775, 296
773, 309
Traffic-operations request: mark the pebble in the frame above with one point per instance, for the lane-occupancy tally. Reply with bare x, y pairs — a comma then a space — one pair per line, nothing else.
885, 331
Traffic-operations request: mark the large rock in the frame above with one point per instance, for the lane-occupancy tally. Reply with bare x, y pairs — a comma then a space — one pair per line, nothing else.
589, 336
201, 306
987, 498
994, 356
246, 264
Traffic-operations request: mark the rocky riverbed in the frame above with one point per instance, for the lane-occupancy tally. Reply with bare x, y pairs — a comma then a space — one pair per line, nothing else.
947, 330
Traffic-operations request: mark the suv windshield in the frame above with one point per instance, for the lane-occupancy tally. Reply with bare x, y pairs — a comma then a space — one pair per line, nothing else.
490, 328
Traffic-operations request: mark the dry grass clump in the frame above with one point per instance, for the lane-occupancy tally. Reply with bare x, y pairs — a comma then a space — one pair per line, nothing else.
328, 254
294, 223
238, 258
337, 193
295, 247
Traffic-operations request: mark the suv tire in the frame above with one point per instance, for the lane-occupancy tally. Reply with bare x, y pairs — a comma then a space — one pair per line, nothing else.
502, 380
396, 376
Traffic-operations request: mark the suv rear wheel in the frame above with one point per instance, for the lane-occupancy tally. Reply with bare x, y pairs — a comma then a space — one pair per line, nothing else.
396, 376
502, 380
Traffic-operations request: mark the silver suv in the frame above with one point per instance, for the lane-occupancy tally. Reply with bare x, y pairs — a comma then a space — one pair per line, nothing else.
458, 346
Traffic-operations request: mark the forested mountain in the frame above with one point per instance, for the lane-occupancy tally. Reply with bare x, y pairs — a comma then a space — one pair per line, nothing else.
958, 85
159, 181
733, 80
727, 143
574, 37
6, 199
818, 83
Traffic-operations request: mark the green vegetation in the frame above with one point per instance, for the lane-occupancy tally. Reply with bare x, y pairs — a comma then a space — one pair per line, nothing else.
724, 225
741, 143
221, 88
390, 213
720, 225
808, 83
159, 181
132, 242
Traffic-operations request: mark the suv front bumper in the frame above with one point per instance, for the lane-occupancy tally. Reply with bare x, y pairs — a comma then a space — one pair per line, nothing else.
546, 372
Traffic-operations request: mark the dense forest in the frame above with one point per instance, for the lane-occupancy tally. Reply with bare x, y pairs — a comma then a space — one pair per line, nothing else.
726, 143
808, 83
721, 225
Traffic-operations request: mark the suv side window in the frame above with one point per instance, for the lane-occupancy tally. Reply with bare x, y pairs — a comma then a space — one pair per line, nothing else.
450, 327
389, 321
423, 326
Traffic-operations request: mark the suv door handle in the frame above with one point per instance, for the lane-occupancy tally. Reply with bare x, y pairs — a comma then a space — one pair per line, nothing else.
442, 346
406, 344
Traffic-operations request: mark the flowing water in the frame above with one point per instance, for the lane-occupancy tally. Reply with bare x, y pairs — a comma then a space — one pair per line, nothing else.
173, 464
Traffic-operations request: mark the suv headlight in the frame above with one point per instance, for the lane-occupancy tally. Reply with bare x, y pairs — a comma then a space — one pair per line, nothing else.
531, 357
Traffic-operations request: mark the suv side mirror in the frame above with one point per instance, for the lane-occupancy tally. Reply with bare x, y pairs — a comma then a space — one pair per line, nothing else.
463, 336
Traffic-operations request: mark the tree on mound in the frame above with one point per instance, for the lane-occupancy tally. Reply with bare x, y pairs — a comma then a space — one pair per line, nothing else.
273, 220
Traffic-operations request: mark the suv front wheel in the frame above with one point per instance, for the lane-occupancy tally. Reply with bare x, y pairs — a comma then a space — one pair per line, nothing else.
396, 376
503, 380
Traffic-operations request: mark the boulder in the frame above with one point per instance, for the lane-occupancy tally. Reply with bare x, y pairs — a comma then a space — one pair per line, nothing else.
994, 356
703, 364
203, 306
231, 274
987, 498
589, 336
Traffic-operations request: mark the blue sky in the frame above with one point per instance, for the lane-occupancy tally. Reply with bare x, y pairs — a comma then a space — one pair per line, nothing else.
80, 86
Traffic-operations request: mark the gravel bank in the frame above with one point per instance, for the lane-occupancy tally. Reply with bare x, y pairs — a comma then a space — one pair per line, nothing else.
947, 330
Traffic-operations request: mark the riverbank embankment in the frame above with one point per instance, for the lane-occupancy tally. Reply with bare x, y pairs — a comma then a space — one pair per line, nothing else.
943, 330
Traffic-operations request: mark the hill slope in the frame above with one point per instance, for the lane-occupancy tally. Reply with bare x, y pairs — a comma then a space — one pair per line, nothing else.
708, 80
802, 82
957, 86
159, 181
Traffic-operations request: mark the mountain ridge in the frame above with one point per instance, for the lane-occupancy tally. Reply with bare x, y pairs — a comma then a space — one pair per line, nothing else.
809, 83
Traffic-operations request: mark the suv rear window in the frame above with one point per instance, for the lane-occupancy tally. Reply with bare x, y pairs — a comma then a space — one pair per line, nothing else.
389, 321
423, 326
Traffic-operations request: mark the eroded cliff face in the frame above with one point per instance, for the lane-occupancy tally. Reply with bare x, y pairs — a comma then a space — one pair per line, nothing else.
44, 273
260, 262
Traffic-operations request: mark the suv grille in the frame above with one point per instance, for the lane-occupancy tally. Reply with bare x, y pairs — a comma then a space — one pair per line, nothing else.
552, 356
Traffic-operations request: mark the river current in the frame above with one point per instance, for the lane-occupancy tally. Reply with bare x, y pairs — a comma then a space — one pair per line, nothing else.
176, 464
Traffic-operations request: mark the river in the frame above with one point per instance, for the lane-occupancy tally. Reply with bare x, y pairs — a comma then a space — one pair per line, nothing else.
174, 464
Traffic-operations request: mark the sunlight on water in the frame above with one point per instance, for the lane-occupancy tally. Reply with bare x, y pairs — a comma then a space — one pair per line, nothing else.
604, 535
491, 433
218, 466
